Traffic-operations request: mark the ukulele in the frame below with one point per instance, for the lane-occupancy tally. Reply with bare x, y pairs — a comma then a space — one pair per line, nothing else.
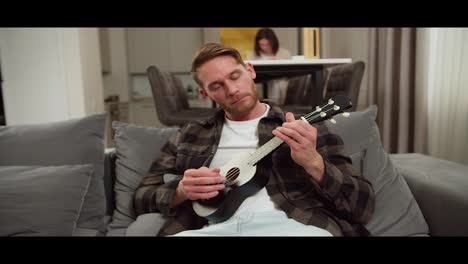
240, 172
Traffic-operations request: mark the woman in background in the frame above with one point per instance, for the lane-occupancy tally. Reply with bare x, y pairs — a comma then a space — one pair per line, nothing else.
267, 48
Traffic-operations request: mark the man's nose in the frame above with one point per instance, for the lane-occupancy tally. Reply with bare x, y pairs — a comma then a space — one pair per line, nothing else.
231, 89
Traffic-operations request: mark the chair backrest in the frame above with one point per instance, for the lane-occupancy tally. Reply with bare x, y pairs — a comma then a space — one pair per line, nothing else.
180, 92
344, 79
164, 94
297, 89
171, 101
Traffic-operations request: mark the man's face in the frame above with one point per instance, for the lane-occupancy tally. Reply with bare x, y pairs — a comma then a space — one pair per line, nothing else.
229, 84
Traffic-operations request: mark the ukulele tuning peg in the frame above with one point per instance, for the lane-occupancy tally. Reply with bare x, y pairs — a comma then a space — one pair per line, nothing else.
323, 114
333, 121
330, 101
336, 108
318, 109
345, 114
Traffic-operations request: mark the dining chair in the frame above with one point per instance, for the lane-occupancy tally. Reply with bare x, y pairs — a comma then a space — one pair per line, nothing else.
344, 79
171, 100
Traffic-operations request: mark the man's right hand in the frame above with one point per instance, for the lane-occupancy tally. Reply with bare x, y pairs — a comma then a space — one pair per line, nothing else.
202, 183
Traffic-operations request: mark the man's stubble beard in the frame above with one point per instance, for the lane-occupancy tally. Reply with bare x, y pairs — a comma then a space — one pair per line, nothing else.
246, 108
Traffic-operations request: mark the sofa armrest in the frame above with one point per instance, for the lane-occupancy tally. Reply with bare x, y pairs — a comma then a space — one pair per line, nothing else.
440, 188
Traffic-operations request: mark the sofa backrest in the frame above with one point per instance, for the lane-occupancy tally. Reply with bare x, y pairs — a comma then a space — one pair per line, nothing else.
396, 211
75, 141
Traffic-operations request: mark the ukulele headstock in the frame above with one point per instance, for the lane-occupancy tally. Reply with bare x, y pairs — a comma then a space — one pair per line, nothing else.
336, 105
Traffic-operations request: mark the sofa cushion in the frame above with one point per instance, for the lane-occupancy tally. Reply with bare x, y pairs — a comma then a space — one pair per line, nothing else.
146, 225
70, 142
136, 149
42, 201
440, 187
396, 210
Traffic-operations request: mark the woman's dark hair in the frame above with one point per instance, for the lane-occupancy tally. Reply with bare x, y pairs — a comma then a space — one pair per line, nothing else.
266, 33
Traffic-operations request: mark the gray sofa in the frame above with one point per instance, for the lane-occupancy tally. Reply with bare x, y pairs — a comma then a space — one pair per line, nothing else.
58, 180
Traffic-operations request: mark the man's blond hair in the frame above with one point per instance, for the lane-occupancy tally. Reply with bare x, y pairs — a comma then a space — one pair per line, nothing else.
210, 51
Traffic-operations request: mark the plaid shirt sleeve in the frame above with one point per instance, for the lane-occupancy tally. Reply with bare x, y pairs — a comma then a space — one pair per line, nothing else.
343, 186
153, 194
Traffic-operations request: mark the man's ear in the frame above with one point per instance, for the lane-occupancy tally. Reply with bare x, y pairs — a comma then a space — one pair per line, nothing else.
202, 92
251, 70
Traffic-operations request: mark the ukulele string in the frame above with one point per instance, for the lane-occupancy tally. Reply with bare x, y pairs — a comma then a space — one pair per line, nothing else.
232, 173
309, 117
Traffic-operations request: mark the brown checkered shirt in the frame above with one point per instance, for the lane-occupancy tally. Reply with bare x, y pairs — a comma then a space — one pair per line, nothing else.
342, 204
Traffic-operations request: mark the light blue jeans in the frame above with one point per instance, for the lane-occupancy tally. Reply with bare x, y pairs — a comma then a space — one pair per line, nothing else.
274, 223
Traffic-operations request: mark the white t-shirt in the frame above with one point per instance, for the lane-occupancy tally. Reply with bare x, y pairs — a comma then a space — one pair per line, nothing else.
237, 138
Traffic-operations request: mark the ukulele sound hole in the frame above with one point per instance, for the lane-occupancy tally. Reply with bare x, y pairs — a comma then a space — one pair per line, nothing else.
232, 175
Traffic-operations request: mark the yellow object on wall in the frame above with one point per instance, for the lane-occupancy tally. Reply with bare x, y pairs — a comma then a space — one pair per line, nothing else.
242, 39
311, 43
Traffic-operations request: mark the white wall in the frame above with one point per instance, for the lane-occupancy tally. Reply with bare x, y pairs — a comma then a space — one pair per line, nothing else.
117, 81
211, 35
347, 43
50, 74
91, 70
33, 86
68, 49
288, 38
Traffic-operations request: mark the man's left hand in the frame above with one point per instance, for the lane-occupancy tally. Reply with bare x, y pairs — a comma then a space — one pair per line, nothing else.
302, 139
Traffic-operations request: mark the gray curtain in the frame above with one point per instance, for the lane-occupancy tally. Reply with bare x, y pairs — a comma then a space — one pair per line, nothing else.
393, 85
